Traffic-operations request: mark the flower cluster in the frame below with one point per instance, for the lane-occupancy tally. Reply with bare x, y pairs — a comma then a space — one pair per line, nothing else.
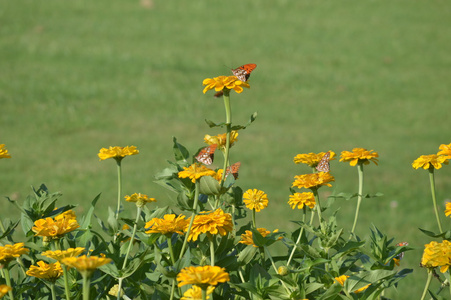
300, 200
54, 228
313, 181
169, 224
311, 159
4, 289
117, 153
221, 139
139, 199
224, 82
59, 255
4, 152
255, 199
86, 263
434, 161
195, 293
10, 252
50, 272
196, 171
216, 222
246, 238
359, 155
202, 276
437, 255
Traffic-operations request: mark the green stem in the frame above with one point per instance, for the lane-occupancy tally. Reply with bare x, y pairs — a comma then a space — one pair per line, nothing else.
86, 285
172, 289
360, 195
66, 281
254, 222
196, 200
434, 198
204, 293
119, 187
426, 287
318, 204
228, 123
8, 281
212, 250
299, 238
52, 290
171, 251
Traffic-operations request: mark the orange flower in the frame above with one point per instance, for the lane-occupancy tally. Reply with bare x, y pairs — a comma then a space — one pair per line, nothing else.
55, 228
216, 222
313, 181
359, 155
224, 82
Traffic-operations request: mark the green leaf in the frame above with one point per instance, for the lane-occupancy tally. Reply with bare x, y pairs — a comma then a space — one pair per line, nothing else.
246, 255
87, 220
209, 186
180, 152
445, 235
251, 119
213, 124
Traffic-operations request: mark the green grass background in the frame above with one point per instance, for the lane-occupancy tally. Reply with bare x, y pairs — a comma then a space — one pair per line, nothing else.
76, 76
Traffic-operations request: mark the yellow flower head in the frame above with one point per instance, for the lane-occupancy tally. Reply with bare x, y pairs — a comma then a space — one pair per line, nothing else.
4, 289
359, 155
139, 199
57, 227
341, 280
300, 199
216, 222
224, 82
169, 224
246, 238
59, 255
220, 139
311, 159
430, 161
202, 276
4, 152
115, 290
117, 153
437, 255
86, 263
445, 150
448, 209
313, 181
255, 199
46, 271
10, 252
195, 293
196, 171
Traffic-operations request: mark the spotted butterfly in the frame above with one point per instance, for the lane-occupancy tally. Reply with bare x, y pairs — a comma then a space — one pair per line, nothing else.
206, 155
244, 72
323, 165
233, 169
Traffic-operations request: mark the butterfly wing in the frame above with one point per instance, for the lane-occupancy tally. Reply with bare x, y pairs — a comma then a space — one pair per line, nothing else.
233, 169
323, 165
206, 155
244, 72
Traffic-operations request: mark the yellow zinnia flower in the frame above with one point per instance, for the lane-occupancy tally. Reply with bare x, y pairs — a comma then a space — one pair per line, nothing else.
430, 161
169, 224
255, 199
311, 159
46, 271
4, 289
196, 171
86, 263
313, 181
55, 228
10, 252
117, 153
341, 280
195, 293
437, 255
445, 150
359, 155
216, 222
221, 139
202, 276
59, 255
139, 199
246, 238
4, 152
224, 82
448, 209
300, 199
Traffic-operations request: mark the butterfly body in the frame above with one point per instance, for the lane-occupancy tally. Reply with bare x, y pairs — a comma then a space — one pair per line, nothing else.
206, 155
323, 165
244, 72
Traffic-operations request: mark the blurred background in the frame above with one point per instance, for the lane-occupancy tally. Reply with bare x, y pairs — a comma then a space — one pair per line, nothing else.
77, 76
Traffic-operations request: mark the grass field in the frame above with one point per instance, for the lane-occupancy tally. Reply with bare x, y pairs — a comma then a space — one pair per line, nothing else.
77, 76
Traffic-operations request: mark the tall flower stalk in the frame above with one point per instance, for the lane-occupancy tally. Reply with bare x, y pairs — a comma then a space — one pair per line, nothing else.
434, 198
359, 196
188, 231
228, 123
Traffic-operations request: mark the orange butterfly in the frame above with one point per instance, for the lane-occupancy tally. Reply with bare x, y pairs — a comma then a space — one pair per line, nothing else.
206, 155
244, 72
233, 169
323, 165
